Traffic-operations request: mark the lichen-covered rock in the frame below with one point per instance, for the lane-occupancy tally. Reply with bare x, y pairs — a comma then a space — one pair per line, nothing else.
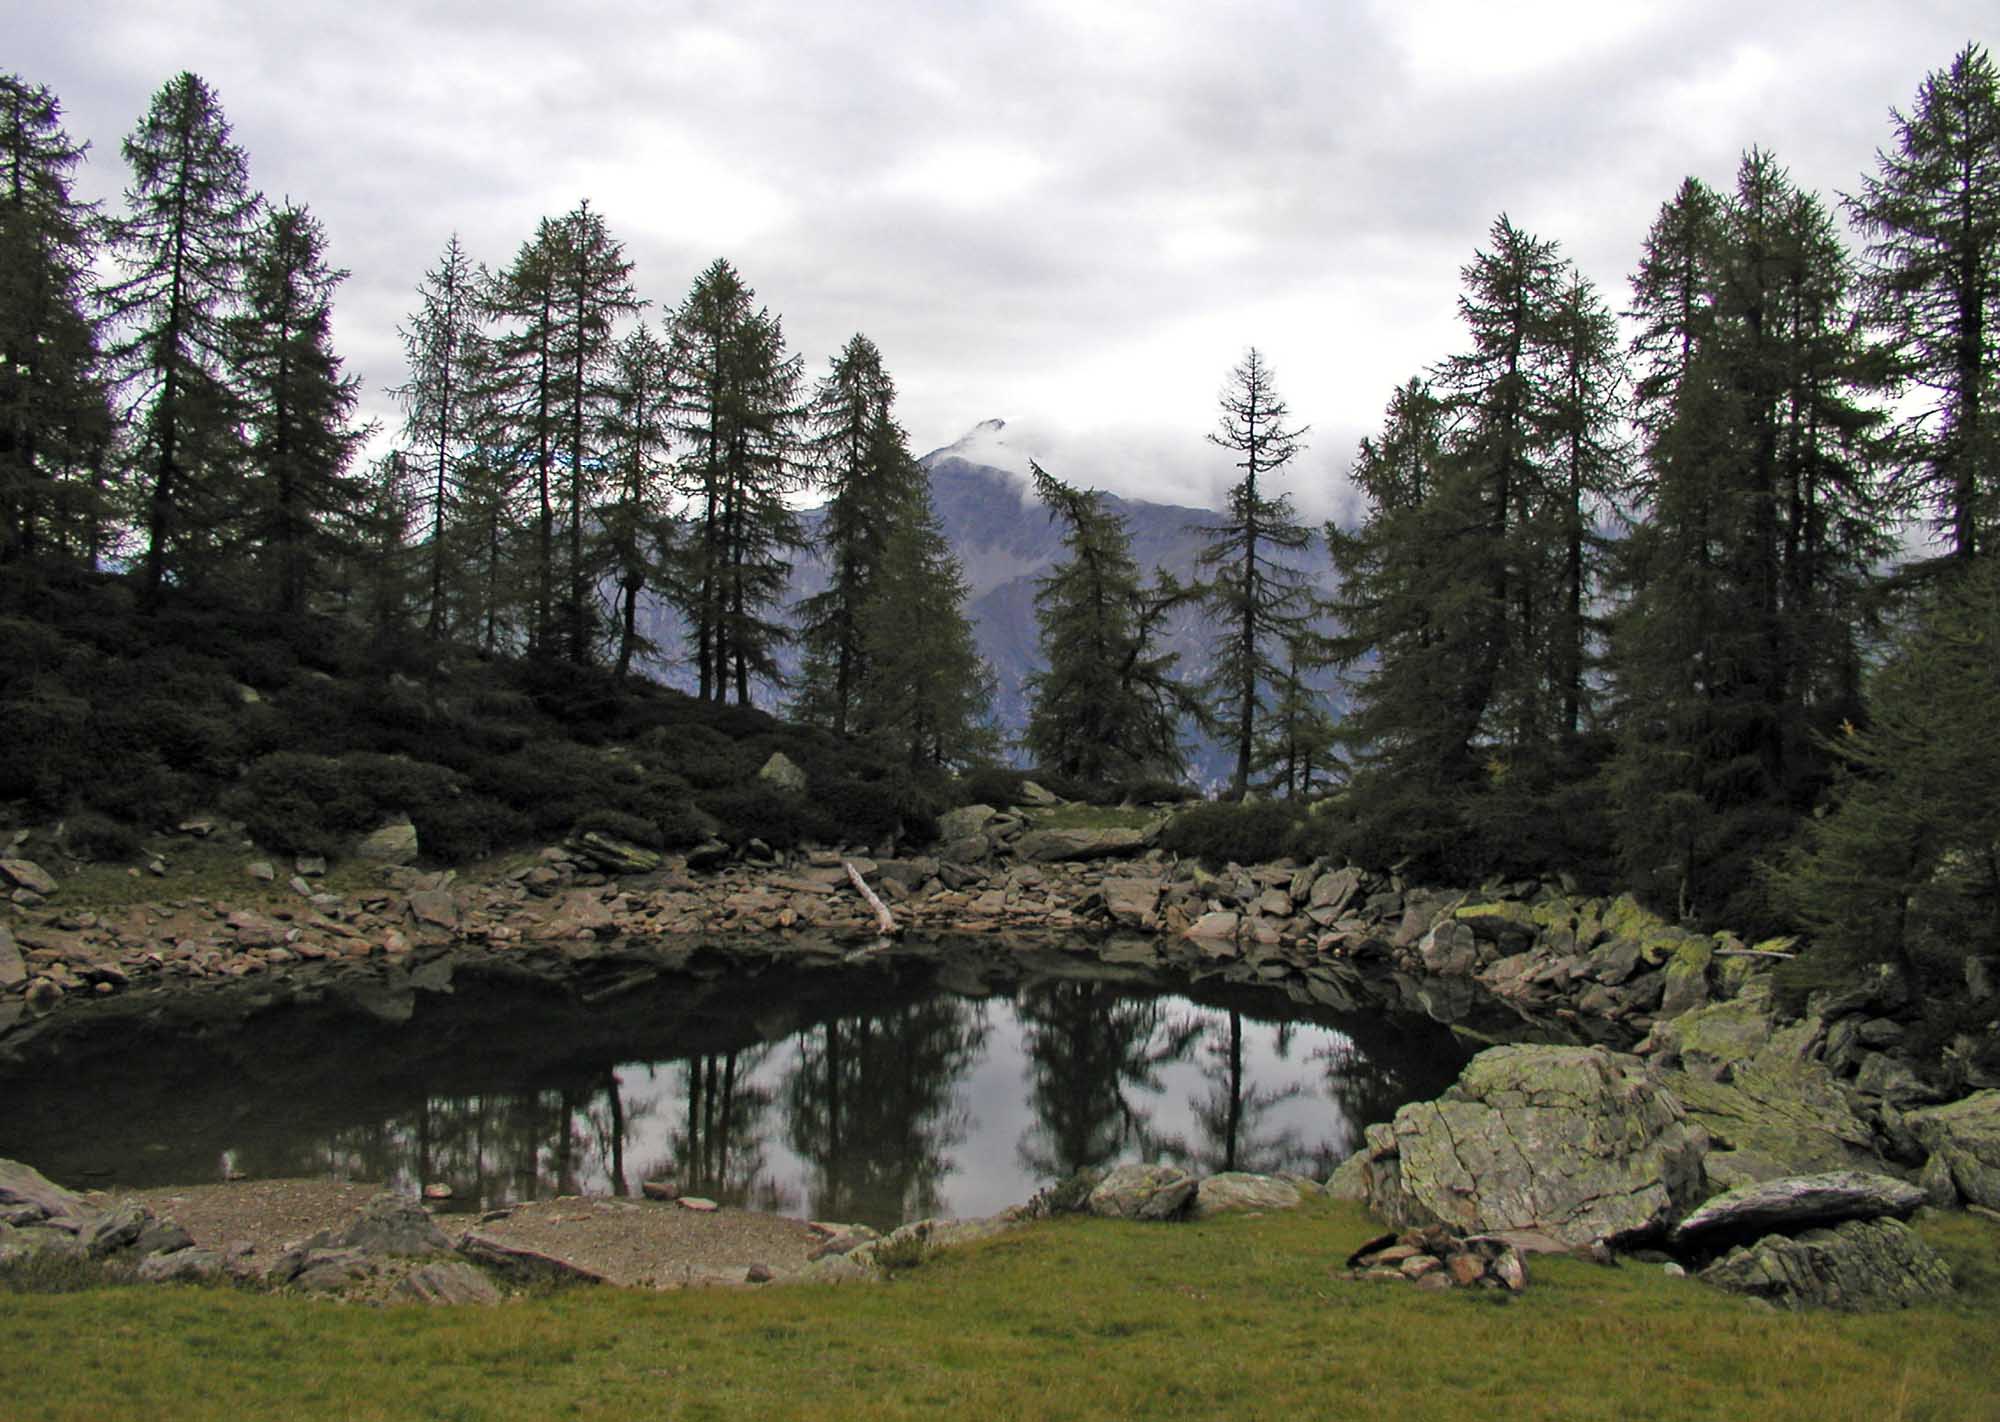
13, 971
1796, 1201
393, 843
783, 772
28, 1197
26, 874
182, 1266
1965, 1138
1777, 1116
1713, 1041
394, 1225
1575, 1142
1050, 845
611, 855
1235, 1192
1859, 1265
964, 822
448, 1282
1142, 1192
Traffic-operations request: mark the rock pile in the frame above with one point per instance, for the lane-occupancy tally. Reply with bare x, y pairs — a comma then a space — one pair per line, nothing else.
1440, 1258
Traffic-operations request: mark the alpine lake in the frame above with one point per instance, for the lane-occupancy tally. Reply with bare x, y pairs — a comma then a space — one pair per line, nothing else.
878, 1086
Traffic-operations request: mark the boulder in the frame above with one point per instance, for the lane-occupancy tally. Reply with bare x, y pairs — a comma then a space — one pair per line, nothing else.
1235, 1192
448, 1282
783, 772
964, 822
1450, 949
1712, 1041
1051, 845
1861, 1264
610, 855
183, 1266
526, 1265
1142, 1192
1033, 794
1965, 1137
1134, 902
1687, 978
115, 1228
1798, 1201
26, 874
1778, 1116
28, 1197
13, 971
394, 1225
1577, 1143
393, 843
436, 907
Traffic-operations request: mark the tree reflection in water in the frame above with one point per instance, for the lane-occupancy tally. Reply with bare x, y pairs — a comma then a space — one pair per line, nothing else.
1229, 1119
872, 1108
718, 1151
1090, 1051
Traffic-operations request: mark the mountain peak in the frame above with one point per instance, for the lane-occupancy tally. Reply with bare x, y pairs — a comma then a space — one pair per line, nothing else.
987, 444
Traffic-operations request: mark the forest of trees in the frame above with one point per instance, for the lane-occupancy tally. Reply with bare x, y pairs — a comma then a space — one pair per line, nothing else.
1687, 590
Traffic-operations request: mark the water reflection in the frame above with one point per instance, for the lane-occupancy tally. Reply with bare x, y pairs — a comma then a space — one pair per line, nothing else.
924, 1104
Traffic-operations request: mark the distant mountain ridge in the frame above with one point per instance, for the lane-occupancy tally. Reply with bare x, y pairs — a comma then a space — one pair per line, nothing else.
1005, 541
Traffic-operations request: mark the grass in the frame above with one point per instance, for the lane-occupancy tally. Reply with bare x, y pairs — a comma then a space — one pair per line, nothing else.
216, 869
1239, 1318
1078, 815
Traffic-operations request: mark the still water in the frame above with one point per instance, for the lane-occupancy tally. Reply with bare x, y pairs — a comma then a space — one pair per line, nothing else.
877, 1097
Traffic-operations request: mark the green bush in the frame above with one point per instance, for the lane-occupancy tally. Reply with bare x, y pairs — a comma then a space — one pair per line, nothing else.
862, 811
1156, 792
762, 812
146, 793
989, 785
703, 757
300, 804
93, 836
469, 827
28, 648
391, 783
617, 824
1219, 834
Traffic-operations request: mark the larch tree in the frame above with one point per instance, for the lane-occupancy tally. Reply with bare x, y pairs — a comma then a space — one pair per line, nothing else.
736, 411
1105, 706
1932, 213
636, 534
524, 401
180, 247
1254, 592
298, 404
55, 425
860, 458
443, 352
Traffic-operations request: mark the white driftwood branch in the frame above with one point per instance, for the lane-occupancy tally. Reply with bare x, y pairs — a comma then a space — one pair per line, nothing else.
884, 920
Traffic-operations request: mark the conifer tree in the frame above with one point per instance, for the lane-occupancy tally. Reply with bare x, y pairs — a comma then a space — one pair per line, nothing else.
443, 349
525, 404
1105, 707
1932, 210
181, 246
1739, 638
1251, 592
926, 694
636, 528
735, 417
55, 423
860, 457
298, 408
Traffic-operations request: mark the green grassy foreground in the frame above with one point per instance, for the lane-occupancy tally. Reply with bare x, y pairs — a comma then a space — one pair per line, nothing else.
1238, 1319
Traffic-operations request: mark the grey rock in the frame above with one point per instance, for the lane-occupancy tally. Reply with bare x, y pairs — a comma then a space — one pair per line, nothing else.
1980, 975
26, 874
1236, 1191
709, 854
262, 870
610, 855
1778, 1116
1450, 949
162, 1237
1052, 845
448, 1282
27, 1193
393, 1225
1575, 1142
517, 1262
1862, 1264
329, 1270
13, 971
969, 850
115, 1228
783, 772
436, 907
182, 1266
1892, 1081
1796, 1201
1133, 902
310, 866
1142, 1192
1349, 1180
1035, 795
964, 822
1965, 1137
1334, 890
393, 843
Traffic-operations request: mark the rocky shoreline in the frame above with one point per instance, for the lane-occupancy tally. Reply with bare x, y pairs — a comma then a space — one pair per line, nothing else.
1730, 1094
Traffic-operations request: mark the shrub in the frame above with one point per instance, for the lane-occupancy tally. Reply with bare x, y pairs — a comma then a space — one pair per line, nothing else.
99, 838
27, 648
617, 824
1156, 792
989, 785
389, 783
700, 755
300, 804
470, 827
145, 793
862, 811
762, 812
1220, 834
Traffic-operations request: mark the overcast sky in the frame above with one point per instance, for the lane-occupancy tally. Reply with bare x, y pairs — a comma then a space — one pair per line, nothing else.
1073, 215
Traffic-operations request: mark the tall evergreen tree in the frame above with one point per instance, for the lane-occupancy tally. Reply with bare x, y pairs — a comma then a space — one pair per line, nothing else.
736, 411
1256, 597
299, 409
181, 246
1932, 210
443, 349
1738, 641
54, 420
1106, 706
636, 529
524, 391
926, 694
860, 457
